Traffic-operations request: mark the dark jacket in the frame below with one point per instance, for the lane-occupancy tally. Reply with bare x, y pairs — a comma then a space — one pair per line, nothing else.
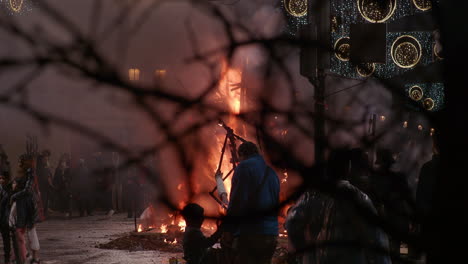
196, 244
426, 185
26, 207
252, 205
5, 194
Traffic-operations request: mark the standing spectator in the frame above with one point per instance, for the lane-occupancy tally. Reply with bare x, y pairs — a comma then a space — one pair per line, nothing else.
44, 175
103, 183
5, 192
4, 163
24, 215
82, 188
117, 201
252, 215
62, 184
393, 197
133, 196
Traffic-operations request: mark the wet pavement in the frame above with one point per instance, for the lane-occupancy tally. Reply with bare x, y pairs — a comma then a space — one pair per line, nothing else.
75, 240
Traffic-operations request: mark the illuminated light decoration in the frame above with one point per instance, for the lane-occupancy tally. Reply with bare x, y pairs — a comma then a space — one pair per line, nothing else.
432, 132
416, 93
428, 104
16, 5
295, 12
423, 5
343, 48
406, 51
296, 8
134, 74
382, 118
433, 91
405, 124
365, 69
420, 127
376, 11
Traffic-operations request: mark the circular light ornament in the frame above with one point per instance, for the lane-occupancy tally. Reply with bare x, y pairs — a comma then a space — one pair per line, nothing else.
416, 93
428, 104
16, 5
423, 5
343, 48
365, 69
297, 8
406, 51
376, 11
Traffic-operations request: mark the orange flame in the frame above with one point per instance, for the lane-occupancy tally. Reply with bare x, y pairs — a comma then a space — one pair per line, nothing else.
163, 228
229, 87
140, 229
182, 225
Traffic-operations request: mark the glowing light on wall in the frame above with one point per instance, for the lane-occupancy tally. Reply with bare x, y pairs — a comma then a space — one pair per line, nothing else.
134, 74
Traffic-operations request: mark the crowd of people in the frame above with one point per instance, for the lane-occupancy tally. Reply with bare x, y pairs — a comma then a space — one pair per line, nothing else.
363, 212
89, 185
38, 190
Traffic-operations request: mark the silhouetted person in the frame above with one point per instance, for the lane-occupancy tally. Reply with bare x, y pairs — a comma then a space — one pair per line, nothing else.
425, 194
5, 193
360, 172
44, 176
196, 245
62, 185
345, 215
82, 188
252, 211
393, 197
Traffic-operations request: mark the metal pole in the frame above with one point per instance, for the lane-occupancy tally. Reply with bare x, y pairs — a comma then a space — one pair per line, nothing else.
319, 120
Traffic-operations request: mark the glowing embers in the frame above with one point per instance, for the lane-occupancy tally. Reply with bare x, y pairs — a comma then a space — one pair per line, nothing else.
406, 51
297, 8
16, 5
416, 93
365, 69
428, 104
342, 49
423, 5
376, 11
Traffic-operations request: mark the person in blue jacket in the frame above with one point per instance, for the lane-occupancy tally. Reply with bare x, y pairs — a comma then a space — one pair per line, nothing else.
252, 215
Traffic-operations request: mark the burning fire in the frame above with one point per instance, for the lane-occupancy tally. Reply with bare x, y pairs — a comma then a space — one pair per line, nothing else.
182, 225
171, 242
140, 229
230, 87
163, 228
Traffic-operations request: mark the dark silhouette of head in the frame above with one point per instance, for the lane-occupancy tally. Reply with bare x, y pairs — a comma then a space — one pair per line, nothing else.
338, 164
247, 150
193, 215
385, 158
359, 160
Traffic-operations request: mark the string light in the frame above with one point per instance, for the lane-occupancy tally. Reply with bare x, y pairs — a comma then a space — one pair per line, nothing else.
405, 124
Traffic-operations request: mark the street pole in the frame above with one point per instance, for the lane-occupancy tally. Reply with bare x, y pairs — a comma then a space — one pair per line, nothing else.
319, 117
